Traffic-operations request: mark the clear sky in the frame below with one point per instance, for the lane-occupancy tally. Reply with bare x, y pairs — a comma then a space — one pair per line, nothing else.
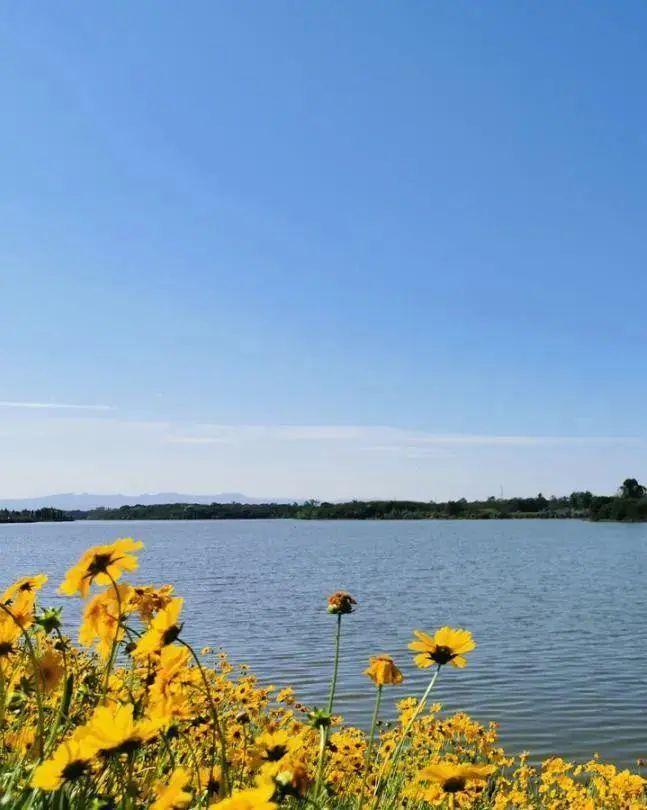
323, 249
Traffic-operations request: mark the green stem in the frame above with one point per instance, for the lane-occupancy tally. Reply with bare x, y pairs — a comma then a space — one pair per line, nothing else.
333, 683
196, 765
217, 728
38, 680
323, 739
66, 695
398, 750
325, 731
3, 702
115, 640
369, 750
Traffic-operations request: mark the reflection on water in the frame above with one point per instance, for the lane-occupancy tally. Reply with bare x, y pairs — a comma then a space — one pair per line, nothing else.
558, 609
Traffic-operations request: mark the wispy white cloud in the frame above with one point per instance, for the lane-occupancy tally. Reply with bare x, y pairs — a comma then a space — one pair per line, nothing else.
41, 453
374, 437
197, 440
54, 406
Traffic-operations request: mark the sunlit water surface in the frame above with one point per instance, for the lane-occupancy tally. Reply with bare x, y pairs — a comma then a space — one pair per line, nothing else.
558, 608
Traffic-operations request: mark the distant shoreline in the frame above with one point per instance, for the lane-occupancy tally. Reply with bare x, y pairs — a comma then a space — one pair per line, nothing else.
629, 505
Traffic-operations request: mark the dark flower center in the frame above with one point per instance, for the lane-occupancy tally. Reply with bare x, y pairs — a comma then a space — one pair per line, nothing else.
442, 655
170, 634
26, 586
6, 648
99, 564
276, 752
74, 769
213, 787
126, 747
454, 784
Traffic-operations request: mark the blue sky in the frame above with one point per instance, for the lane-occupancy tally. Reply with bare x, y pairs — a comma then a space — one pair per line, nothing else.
322, 249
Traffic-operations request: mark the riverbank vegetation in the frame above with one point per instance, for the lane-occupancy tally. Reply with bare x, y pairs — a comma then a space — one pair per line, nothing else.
134, 717
47, 515
629, 504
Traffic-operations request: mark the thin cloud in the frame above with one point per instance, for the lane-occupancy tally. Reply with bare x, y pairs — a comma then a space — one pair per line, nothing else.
68, 406
197, 440
377, 437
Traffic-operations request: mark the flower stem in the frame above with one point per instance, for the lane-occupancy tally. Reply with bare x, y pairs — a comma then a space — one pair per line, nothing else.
217, 728
333, 683
38, 681
369, 750
115, 640
398, 750
324, 731
323, 739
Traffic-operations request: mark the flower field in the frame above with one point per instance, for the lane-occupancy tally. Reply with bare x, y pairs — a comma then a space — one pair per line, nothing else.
130, 716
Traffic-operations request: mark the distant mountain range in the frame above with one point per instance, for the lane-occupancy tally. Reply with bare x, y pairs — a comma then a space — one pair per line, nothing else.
86, 500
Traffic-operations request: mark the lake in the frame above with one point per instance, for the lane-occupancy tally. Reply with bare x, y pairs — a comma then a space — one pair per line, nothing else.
558, 609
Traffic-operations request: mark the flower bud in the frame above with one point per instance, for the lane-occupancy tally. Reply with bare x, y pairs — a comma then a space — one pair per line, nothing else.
319, 718
382, 670
340, 603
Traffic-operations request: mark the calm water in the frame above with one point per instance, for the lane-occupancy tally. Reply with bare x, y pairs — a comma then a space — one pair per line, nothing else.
558, 608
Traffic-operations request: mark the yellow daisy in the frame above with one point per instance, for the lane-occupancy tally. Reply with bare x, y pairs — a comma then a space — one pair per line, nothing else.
171, 795
446, 646
112, 729
102, 564
163, 629
71, 761
51, 670
453, 777
24, 585
258, 798
101, 619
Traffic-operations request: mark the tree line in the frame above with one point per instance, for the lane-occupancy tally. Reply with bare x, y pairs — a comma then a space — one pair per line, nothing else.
628, 504
47, 514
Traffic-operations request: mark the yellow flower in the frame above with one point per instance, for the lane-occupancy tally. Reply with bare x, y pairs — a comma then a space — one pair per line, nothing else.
169, 692
22, 608
21, 740
102, 564
293, 779
51, 670
211, 780
258, 798
24, 585
101, 619
446, 646
112, 729
9, 633
171, 794
148, 601
286, 696
163, 629
453, 777
382, 670
71, 760
273, 746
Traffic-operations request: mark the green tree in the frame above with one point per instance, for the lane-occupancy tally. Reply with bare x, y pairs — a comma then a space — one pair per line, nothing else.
630, 488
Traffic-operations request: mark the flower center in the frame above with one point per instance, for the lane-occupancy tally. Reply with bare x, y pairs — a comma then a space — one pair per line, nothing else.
276, 752
6, 648
99, 564
126, 747
454, 784
170, 634
74, 769
442, 655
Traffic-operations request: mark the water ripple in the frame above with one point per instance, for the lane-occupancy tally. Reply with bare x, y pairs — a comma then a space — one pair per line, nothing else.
557, 608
